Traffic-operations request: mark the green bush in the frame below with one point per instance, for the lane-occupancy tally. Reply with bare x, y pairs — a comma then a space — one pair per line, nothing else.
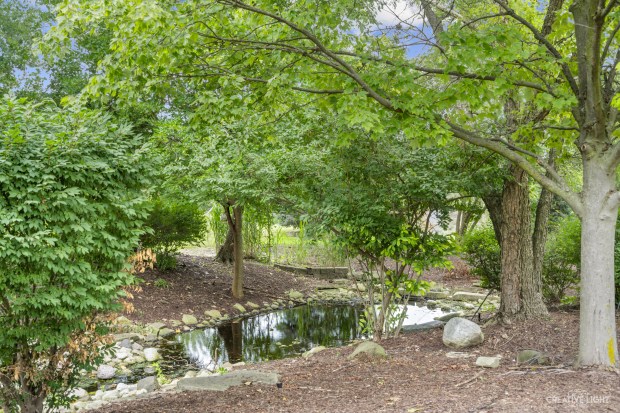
562, 258
482, 252
174, 225
71, 214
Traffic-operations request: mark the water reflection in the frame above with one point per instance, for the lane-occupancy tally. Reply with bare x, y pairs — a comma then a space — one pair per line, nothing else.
273, 336
282, 333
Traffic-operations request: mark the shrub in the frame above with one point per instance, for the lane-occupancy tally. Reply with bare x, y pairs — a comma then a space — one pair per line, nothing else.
562, 258
71, 213
482, 252
174, 224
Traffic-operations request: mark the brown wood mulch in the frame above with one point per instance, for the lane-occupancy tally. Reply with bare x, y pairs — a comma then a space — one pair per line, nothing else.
417, 376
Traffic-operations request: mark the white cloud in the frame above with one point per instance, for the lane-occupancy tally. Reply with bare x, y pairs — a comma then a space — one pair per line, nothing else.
400, 10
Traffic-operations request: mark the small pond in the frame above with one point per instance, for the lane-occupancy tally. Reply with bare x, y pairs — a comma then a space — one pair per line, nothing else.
276, 335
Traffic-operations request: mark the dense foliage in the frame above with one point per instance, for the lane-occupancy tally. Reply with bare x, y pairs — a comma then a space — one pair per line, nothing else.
174, 224
72, 207
482, 252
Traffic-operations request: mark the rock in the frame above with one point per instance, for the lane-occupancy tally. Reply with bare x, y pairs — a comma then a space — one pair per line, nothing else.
239, 364
176, 323
449, 316
252, 305
141, 392
149, 370
166, 332
123, 321
110, 395
424, 326
290, 303
79, 394
532, 357
295, 295
436, 295
239, 308
137, 347
98, 395
150, 338
151, 354
312, 351
105, 372
94, 405
202, 373
189, 319
126, 343
190, 374
130, 336
122, 353
360, 287
227, 366
461, 333
149, 384
458, 355
369, 348
490, 362
224, 381
213, 314
467, 296
155, 326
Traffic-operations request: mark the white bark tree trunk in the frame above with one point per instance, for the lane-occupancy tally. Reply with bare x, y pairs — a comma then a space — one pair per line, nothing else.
597, 336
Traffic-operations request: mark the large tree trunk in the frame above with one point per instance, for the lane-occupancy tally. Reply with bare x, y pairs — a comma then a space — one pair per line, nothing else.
226, 252
597, 331
516, 247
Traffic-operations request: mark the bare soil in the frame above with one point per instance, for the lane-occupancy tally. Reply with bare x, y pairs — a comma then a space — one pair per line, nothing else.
417, 376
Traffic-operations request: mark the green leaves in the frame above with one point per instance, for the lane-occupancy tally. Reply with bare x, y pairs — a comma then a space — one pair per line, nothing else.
72, 199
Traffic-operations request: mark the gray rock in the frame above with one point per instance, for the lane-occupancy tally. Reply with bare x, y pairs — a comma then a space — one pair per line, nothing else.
110, 395
461, 333
79, 394
532, 357
313, 351
137, 347
94, 405
189, 319
122, 353
449, 316
213, 314
130, 336
149, 370
369, 348
190, 374
176, 323
149, 384
490, 362
126, 343
166, 332
252, 305
436, 295
223, 382
150, 338
467, 296
105, 372
424, 326
151, 354
155, 326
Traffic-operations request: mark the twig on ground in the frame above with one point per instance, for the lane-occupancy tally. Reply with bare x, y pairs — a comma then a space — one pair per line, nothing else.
476, 376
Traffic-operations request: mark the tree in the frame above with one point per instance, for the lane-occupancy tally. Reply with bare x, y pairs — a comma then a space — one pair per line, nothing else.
229, 164
72, 197
269, 51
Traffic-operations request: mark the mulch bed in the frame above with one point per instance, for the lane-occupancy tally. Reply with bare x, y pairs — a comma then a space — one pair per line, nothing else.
200, 284
416, 377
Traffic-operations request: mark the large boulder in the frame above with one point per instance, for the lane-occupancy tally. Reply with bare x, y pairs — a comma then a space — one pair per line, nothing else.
461, 333
150, 384
224, 381
151, 354
369, 348
105, 372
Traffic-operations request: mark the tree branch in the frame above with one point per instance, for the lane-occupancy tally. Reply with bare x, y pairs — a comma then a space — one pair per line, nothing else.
543, 40
558, 188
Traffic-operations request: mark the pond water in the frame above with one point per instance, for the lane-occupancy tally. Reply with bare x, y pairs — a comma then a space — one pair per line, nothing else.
278, 334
